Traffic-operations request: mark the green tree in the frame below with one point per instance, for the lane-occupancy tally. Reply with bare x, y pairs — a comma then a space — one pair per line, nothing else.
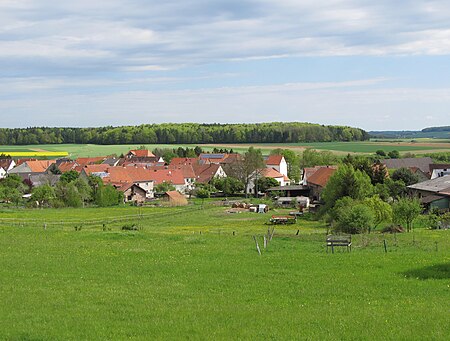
53, 169
382, 211
352, 217
250, 166
108, 196
265, 183
346, 182
202, 193
405, 175
12, 189
67, 194
43, 194
69, 176
164, 187
406, 211
312, 157
83, 188
394, 154
228, 185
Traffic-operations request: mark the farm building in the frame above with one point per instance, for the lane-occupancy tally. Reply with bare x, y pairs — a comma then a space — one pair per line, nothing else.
175, 198
439, 170
318, 180
423, 163
433, 193
34, 167
291, 190
133, 193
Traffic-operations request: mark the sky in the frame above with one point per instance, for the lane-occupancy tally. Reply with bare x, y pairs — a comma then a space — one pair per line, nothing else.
377, 65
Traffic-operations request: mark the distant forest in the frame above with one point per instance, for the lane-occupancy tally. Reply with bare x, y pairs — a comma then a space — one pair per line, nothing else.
186, 133
436, 129
432, 132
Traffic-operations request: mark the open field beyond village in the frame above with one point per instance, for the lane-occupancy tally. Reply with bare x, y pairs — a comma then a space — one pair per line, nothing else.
194, 273
419, 146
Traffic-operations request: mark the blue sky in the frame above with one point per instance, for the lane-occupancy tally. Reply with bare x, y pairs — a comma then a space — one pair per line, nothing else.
378, 65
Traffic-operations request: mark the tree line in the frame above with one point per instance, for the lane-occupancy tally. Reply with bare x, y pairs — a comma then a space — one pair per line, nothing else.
170, 133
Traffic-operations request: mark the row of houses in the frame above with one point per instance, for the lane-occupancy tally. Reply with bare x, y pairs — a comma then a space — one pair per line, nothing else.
139, 171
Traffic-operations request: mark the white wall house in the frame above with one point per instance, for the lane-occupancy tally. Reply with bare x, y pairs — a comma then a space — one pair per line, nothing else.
278, 163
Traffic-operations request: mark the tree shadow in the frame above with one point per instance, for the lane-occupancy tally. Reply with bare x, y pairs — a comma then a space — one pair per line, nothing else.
438, 271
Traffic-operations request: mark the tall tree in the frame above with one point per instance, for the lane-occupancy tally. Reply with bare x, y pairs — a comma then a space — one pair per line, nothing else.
346, 182
406, 211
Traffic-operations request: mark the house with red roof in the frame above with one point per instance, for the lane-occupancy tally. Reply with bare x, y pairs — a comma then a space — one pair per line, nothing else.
83, 161
183, 161
139, 153
318, 180
282, 179
33, 167
277, 162
206, 172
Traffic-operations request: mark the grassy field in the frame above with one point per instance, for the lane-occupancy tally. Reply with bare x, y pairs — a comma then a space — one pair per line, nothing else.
420, 146
185, 275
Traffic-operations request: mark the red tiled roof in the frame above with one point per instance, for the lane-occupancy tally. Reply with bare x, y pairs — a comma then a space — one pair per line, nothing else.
176, 198
68, 166
178, 161
39, 166
205, 173
188, 170
274, 160
21, 161
321, 176
83, 161
141, 153
271, 173
89, 169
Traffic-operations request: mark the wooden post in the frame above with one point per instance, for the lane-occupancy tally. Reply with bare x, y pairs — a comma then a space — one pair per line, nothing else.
271, 235
257, 245
385, 246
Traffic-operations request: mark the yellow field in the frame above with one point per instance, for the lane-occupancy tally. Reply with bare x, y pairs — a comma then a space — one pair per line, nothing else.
36, 154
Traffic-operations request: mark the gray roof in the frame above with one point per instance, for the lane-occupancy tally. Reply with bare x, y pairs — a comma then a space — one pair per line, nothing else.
112, 161
438, 185
44, 179
423, 163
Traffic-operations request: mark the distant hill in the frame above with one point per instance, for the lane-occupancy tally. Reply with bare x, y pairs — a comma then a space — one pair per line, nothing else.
436, 129
432, 132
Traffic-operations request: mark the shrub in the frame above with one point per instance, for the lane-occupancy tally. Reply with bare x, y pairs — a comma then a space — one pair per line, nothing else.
130, 227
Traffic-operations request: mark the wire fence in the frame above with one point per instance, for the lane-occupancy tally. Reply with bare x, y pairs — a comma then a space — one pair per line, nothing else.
100, 222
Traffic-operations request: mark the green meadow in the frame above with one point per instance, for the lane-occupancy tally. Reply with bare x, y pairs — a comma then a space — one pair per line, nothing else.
364, 147
194, 273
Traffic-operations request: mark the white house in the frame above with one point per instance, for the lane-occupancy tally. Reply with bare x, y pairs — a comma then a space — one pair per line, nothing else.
5, 166
282, 179
278, 163
439, 170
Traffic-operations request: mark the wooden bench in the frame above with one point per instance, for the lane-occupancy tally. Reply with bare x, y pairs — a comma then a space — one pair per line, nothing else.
339, 240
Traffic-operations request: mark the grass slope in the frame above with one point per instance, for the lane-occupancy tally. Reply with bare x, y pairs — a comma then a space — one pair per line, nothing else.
168, 281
